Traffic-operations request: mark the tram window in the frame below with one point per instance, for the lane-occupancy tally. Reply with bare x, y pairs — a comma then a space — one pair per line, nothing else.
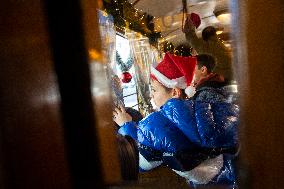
129, 89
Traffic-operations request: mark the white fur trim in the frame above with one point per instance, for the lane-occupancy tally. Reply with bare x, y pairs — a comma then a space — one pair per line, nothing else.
170, 83
190, 91
148, 165
204, 172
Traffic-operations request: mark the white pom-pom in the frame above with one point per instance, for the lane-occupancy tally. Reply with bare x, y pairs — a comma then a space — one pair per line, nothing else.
190, 91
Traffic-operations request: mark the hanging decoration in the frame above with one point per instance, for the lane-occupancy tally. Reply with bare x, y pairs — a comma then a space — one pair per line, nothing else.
125, 15
126, 77
124, 68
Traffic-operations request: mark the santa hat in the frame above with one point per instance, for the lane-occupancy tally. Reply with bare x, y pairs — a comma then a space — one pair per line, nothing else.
175, 71
195, 18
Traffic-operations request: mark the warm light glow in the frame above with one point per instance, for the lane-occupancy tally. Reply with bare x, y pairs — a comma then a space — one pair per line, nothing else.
95, 55
219, 32
224, 18
171, 37
201, 3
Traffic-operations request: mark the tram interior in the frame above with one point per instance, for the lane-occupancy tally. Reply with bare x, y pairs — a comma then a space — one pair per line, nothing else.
70, 73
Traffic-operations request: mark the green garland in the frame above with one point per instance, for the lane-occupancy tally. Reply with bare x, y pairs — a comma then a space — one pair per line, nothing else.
123, 11
124, 66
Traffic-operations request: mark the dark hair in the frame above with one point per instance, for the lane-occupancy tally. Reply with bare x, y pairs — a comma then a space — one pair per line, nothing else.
208, 32
206, 60
129, 158
135, 114
128, 151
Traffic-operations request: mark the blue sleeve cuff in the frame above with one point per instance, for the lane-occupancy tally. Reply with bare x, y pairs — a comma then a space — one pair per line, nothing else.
130, 129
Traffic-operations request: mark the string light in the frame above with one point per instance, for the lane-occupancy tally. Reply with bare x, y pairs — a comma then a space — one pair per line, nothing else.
137, 24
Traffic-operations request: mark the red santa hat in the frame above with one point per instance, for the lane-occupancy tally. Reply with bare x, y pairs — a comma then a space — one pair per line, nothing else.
195, 19
175, 71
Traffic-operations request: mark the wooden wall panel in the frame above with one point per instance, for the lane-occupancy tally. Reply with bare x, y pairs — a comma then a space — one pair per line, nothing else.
31, 127
259, 33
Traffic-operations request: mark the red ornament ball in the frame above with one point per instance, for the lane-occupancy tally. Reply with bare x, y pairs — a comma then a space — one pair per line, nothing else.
126, 77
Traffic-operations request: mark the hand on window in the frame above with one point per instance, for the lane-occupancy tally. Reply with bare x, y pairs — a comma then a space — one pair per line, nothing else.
120, 116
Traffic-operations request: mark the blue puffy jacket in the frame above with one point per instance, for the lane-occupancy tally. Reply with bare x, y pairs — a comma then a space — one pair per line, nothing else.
217, 123
159, 129
183, 126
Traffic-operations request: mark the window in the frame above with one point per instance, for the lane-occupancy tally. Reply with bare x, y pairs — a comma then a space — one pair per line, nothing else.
129, 90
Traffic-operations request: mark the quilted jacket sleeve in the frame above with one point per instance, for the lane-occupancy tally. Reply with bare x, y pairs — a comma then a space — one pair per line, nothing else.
217, 124
130, 129
150, 131
159, 133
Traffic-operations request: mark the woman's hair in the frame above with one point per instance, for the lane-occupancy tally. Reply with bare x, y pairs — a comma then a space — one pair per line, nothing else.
128, 151
129, 158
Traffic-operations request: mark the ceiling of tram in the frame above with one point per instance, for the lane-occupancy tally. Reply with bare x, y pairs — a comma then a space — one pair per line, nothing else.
168, 16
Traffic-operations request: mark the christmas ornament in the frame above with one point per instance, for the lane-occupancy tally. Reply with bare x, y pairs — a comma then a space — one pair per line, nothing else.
126, 77
124, 68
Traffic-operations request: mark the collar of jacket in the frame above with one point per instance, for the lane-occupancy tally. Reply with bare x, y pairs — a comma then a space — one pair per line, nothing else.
212, 80
170, 102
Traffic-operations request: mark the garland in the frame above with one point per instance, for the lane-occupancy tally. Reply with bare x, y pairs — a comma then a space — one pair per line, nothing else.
124, 66
125, 15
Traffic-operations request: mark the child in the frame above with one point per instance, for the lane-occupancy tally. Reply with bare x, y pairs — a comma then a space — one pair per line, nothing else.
170, 136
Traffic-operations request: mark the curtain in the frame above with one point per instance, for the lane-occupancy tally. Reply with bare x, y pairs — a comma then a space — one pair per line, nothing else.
143, 55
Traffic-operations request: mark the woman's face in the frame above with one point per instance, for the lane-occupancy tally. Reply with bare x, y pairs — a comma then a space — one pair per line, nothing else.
159, 93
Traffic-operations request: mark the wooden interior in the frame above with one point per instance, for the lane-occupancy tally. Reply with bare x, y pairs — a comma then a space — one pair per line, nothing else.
33, 151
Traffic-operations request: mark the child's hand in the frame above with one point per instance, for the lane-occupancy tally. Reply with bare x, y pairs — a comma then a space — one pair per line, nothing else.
120, 116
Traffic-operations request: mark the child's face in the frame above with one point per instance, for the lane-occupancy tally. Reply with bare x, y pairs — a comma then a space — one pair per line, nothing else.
159, 93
